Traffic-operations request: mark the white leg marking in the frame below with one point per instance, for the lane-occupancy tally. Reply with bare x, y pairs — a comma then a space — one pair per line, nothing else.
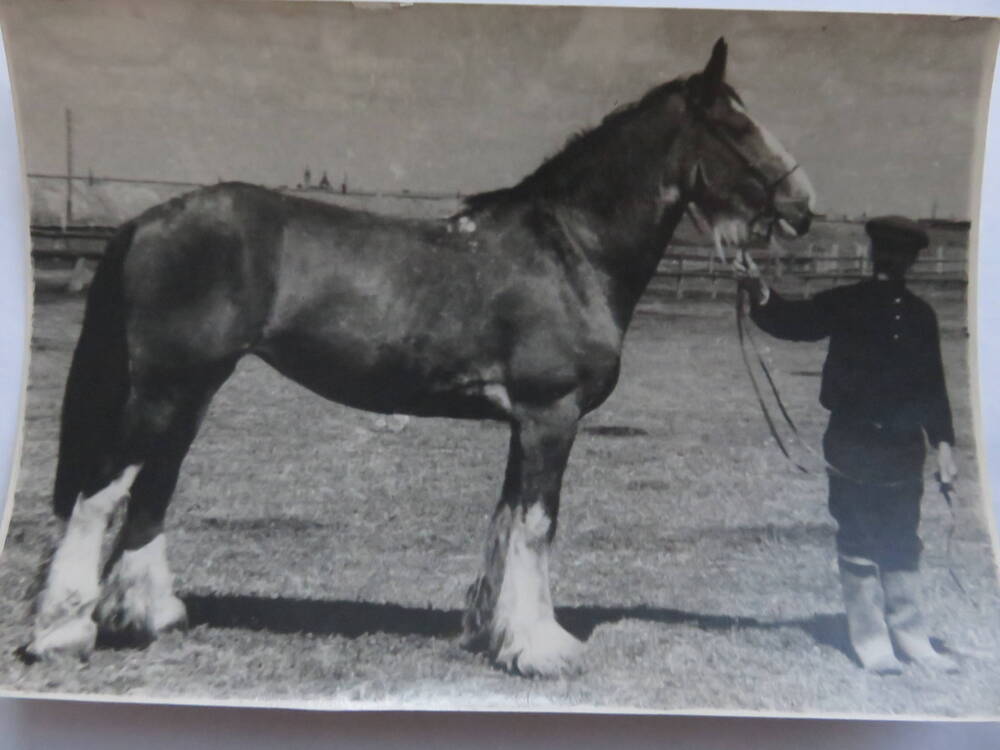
64, 620
527, 637
139, 596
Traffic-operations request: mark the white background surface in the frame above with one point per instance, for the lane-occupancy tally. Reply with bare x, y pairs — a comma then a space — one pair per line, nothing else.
49, 724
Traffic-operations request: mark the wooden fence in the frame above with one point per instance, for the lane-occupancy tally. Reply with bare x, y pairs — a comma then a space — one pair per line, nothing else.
62, 256
697, 269
69, 244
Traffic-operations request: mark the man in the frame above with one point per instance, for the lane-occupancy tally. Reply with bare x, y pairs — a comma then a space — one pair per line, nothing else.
883, 383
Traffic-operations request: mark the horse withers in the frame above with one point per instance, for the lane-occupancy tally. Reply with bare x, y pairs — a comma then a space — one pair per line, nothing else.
513, 310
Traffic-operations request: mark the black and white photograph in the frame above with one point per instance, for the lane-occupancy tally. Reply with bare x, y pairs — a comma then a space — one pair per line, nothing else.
520, 358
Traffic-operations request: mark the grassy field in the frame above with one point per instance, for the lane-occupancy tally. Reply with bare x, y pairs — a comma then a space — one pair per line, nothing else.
324, 561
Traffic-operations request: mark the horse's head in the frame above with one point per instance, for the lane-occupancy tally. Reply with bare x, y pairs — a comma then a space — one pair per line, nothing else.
739, 179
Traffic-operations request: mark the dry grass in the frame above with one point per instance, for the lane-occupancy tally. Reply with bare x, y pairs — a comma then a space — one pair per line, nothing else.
324, 561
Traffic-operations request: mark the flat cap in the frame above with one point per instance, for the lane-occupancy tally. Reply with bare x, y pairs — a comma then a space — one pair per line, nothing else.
897, 233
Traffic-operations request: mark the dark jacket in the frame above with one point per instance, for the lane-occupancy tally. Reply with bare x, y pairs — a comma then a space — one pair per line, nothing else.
884, 361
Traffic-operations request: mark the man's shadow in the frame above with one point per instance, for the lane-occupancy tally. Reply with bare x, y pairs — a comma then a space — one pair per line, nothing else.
351, 619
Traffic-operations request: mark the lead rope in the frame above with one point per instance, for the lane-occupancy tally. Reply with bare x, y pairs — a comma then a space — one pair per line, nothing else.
741, 297
744, 335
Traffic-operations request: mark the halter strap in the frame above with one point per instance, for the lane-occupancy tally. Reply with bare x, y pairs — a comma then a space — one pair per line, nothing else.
770, 186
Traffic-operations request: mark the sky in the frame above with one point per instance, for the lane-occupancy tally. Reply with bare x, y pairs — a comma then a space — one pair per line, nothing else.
882, 111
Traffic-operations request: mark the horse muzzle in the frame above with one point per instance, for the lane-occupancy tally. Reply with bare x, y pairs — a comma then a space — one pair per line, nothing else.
794, 219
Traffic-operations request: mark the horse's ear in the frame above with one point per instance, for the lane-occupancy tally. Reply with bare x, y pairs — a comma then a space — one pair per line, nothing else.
708, 84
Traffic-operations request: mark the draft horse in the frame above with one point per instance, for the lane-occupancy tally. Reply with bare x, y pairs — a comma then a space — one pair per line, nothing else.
513, 310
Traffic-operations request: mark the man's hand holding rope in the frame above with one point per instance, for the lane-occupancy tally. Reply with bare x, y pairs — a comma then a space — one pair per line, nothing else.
947, 469
747, 275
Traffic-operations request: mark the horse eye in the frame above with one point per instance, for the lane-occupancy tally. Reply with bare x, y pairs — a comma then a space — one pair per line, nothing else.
741, 129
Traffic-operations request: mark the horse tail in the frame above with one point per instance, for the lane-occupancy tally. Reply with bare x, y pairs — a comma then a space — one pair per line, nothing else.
98, 383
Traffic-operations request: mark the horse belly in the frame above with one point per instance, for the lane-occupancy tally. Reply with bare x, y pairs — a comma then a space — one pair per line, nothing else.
382, 377
380, 321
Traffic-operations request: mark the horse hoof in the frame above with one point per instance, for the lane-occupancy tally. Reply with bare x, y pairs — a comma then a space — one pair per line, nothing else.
74, 637
170, 614
547, 651
885, 667
128, 622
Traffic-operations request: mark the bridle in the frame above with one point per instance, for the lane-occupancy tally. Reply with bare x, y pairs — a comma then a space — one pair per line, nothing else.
768, 185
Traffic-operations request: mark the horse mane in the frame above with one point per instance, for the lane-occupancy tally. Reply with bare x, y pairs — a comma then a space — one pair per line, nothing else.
580, 146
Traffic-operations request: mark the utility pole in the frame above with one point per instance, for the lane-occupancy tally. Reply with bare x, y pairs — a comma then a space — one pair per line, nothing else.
68, 221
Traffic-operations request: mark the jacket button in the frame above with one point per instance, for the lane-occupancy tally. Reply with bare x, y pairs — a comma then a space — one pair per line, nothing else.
897, 300
895, 336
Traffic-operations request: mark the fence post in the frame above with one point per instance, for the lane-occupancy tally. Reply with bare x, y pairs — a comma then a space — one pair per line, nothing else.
680, 278
940, 259
861, 255
719, 253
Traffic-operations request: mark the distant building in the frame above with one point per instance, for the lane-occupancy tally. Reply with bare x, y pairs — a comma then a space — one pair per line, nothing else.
324, 182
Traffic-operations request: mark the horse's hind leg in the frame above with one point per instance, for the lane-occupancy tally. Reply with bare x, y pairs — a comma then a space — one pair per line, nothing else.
63, 617
140, 461
510, 611
138, 602
137, 599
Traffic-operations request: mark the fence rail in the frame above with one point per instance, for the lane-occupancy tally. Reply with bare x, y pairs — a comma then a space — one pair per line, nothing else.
943, 267
682, 265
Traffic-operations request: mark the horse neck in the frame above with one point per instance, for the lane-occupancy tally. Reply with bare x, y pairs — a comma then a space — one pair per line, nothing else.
631, 262
624, 224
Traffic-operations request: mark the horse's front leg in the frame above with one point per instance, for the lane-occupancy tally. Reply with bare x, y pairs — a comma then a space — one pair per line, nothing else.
509, 608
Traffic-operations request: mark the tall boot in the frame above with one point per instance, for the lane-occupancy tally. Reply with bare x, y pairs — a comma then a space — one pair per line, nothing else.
906, 621
863, 600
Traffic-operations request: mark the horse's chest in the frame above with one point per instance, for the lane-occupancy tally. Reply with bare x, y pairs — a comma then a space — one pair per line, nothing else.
565, 348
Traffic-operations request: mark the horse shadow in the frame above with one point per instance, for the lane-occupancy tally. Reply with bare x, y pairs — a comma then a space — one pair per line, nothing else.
351, 619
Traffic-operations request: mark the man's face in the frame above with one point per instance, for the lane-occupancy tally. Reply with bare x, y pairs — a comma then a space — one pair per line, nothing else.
891, 261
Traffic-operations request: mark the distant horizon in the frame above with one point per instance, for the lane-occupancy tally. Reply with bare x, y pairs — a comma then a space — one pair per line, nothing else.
414, 193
